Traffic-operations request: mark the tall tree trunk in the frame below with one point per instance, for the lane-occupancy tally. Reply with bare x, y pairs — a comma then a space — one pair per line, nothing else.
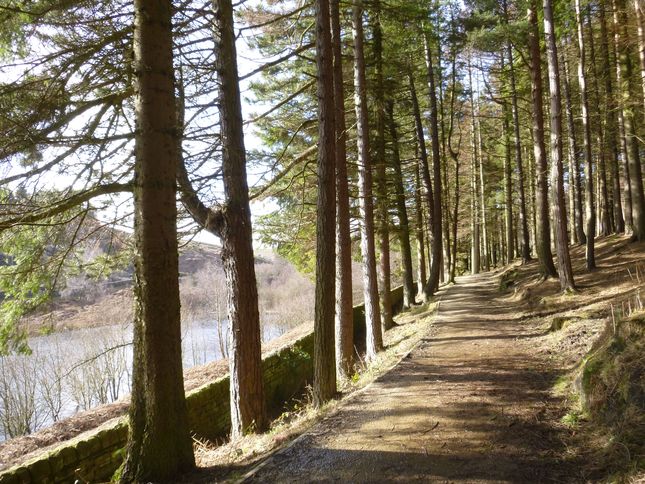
159, 444
382, 215
324, 386
526, 246
421, 258
482, 194
627, 91
374, 337
344, 311
402, 212
601, 172
508, 188
574, 162
248, 411
423, 156
640, 25
611, 124
557, 184
590, 208
543, 243
433, 282
474, 212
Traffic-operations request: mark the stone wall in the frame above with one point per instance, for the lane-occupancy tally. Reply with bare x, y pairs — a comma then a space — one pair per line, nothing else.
95, 455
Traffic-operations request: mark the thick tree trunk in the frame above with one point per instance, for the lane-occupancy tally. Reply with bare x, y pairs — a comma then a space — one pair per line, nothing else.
639, 7
382, 215
433, 282
590, 208
611, 124
248, 413
565, 271
628, 108
402, 212
344, 311
374, 338
577, 231
324, 386
159, 444
543, 243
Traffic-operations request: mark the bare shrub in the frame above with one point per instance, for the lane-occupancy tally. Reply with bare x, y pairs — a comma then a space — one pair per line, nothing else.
19, 410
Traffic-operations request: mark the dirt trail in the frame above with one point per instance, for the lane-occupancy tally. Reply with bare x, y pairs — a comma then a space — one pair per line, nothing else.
471, 403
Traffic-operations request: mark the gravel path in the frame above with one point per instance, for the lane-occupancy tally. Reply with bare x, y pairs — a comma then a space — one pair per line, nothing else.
471, 403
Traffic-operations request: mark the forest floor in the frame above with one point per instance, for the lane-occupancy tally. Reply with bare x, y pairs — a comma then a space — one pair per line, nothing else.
475, 400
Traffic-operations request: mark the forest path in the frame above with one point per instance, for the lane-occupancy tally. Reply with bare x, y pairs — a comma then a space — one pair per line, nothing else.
470, 403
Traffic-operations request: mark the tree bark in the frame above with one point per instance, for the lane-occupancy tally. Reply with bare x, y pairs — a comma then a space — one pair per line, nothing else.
324, 386
508, 188
604, 221
402, 212
526, 245
374, 338
344, 311
474, 212
382, 214
565, 271
611, 139
159, 444
577, 231
421, 259
628, 109
433, 282
543, 243
590, 208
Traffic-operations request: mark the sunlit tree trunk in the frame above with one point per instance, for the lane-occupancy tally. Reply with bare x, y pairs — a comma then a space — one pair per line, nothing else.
543, 243
627, 92
590, 208
436, 217
344, 312
159, 444
565, 271
374, 338
421, 258
382, 205
612, 141
324, 386
402, 212
577, 230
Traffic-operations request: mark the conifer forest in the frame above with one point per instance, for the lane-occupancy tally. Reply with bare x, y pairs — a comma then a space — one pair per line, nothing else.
322, 240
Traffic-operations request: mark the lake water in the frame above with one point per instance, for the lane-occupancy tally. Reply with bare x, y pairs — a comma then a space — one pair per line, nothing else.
72, 371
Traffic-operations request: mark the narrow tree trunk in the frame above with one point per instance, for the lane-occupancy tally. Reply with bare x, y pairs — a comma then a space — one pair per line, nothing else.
433, 282
574, 163
374, 338
423, 158
557, 184
590, 209
159, 444
524, 227
543, 243
611, 139
344, 311
629, 121
474, 194
382, 215
402, 211
482, 194
421, 258
324, 386
640, 24
508, 188
601, 172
